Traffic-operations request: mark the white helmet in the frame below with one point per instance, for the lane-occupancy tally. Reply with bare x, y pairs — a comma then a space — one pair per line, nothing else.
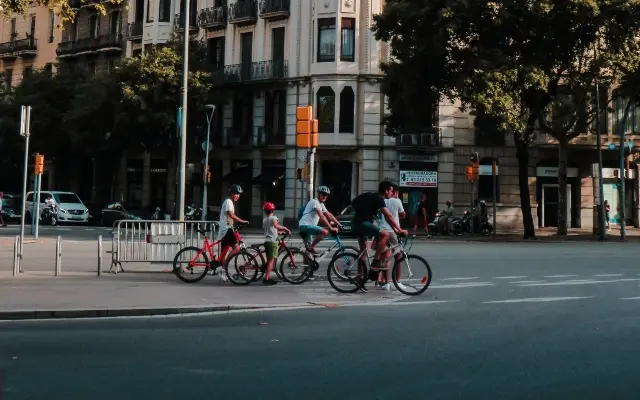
323, 189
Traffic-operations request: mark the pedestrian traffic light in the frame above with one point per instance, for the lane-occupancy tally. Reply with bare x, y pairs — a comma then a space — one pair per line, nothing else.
208, 176
306, 128
39, 167
474, 157
472, 173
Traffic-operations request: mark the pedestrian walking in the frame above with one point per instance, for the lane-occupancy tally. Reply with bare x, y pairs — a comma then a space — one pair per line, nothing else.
607, 214
2, 223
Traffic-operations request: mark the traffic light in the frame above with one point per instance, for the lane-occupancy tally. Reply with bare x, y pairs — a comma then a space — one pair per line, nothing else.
474, 157
208, 176
306, 128
39, 167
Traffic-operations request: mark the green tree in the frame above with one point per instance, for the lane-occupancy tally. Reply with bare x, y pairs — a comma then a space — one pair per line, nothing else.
63, 8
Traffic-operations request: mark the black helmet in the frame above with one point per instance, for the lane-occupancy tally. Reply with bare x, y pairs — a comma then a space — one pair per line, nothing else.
235, 189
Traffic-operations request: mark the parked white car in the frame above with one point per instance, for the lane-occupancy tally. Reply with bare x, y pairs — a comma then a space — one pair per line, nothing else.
70, 207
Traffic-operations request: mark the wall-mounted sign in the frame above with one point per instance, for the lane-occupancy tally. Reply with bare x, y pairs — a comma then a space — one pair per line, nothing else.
609, 173
486, 170
552, 172
418, 158
420, 179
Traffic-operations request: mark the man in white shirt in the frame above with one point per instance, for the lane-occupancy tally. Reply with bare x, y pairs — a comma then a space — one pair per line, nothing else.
315, 212
394, 205
225, 229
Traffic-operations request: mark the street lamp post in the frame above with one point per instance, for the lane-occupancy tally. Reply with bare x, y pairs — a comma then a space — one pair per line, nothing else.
205, 180
183, 125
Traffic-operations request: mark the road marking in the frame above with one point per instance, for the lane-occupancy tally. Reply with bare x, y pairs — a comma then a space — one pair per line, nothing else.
536, 300
462, 285
510, 277
630, 298
559, 276
603, 275
579, 282
459, 279
527, 282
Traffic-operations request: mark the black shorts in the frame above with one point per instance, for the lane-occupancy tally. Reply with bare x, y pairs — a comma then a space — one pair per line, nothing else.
229, 239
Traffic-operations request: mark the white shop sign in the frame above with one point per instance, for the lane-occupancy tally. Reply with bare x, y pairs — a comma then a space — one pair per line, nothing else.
421, 179
552, 172
609, 173
427, 158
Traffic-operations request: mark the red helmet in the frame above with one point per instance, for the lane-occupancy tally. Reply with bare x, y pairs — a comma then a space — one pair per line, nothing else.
268, 206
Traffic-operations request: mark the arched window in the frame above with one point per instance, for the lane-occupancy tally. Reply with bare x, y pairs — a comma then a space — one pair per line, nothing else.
485, 181
347, 104
326, 108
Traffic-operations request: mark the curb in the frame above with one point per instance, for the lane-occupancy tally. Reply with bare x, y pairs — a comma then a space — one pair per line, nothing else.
21, 315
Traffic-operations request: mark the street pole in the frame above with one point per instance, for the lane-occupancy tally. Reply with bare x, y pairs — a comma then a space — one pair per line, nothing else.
36, 202
205, 183
601, 211
495, 196
622, 176
183, 126
25, 130
311, 169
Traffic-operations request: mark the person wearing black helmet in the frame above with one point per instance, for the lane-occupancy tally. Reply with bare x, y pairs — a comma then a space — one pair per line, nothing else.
227, 217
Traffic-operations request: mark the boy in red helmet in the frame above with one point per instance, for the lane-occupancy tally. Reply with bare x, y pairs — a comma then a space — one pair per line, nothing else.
271, 229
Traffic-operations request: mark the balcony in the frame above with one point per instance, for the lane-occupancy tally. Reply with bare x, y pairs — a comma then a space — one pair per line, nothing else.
22, 47
134, 30
75, 4
103, 43
431, 138
256, 71
178, 22
243, 12
213, 18
268, 137
236, 138
274, 10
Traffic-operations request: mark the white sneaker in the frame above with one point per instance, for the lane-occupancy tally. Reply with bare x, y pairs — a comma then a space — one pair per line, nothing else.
386, 287
402, 287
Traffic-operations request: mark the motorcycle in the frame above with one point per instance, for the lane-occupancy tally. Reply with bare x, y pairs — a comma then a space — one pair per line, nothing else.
463, 224
50, 215
193, 214
433, 225
485, 227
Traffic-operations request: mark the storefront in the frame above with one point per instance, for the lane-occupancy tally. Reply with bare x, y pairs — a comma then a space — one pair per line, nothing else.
612, 193
548, 199
418, 175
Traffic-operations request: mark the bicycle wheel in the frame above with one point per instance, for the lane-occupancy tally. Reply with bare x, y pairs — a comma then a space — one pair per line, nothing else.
412, 275
295, 266
338, 252
343, 270
242, 268
190, 264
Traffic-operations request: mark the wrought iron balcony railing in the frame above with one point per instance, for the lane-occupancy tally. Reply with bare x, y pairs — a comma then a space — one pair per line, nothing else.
256, 71
274, 9
193, 21
243, 12
28, 46
213, 17
90, 44
134, 29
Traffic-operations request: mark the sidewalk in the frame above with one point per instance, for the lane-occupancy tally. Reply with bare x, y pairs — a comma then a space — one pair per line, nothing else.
542, 235
33, 296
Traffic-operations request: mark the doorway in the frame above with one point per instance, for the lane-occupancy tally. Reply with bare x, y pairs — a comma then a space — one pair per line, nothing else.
550, 206
336, 175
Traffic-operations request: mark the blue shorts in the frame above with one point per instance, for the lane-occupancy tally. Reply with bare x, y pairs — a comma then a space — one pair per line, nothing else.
312, 230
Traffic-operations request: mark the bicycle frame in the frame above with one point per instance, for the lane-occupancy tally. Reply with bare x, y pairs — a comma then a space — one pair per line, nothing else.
208, 246
337, 243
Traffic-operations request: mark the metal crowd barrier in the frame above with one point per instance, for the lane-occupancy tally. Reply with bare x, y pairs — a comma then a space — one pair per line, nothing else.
155, 242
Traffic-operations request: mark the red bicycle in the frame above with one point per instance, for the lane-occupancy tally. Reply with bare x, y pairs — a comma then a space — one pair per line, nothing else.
199, 261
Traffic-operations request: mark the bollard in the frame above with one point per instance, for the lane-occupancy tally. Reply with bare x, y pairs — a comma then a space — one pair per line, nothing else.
58, 256
16, 262
99, 255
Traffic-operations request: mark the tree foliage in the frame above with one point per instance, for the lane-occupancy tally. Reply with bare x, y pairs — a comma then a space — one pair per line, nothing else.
64, 9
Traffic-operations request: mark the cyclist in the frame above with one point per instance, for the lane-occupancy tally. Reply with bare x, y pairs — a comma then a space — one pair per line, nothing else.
314, 212
394, 205
367, 207
271, 227
227, 217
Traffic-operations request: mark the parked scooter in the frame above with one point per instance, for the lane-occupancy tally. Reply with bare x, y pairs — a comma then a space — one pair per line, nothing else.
463, 224
485, 227
193, 214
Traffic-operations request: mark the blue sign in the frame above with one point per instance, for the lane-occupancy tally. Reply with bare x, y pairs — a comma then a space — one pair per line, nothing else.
630, 145
612, 146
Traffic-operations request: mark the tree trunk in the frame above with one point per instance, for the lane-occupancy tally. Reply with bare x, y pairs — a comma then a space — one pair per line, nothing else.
522, 153
562, 186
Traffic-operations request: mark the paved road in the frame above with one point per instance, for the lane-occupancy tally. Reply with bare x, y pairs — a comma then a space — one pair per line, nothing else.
552, 350
68, 232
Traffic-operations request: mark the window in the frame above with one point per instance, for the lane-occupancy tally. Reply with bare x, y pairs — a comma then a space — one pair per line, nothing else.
114, 23
165, 11
8, 75
216, 52
326, 106
32, 27
94, 27
272, 182
487, 132
151, 8
326, 39
348, 37
485, 181
347, 109
26, 72
48, 68
136, 53
52, 25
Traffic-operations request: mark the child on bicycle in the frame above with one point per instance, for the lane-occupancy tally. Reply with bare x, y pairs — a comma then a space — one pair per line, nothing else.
271, 227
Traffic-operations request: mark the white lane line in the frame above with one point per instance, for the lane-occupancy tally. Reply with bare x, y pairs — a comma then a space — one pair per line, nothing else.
527, 282
461, 285
630, 298
536, 300
603, 275
578, 282
510, 277
559, 276
459, 279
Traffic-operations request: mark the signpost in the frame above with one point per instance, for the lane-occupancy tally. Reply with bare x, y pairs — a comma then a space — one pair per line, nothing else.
25, 131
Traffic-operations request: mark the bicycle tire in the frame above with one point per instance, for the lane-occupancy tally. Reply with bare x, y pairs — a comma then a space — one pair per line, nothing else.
353, 260
261, 253
176, 269
344, 250
306, 273
242, 278
416, 259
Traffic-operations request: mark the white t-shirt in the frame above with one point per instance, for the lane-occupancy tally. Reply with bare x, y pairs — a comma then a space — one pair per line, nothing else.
395, 208
310, 216
225, 222
269, 228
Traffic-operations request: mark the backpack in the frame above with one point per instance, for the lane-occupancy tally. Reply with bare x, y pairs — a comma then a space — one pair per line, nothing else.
301, 212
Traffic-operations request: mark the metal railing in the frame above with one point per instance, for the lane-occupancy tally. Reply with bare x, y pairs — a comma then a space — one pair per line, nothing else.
213, 17
243, 11
427, 139
178, 21
155, 242
274, 8
134, 29
257, 71
20, 45
108, 41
